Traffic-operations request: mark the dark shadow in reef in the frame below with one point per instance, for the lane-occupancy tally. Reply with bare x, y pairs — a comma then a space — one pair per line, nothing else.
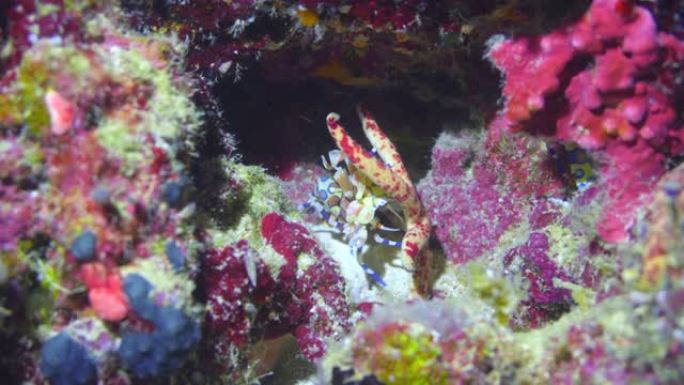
279, 123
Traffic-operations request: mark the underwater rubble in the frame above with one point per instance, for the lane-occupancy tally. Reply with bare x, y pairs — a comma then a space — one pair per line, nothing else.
155, 230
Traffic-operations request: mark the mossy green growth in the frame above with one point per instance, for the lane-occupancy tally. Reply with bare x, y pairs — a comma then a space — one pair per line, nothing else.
260, 194
118, 137
563, 244
170, 110
623, 334
36, 74
33, 156
78, 5
32, 84
45, 9
43, 297
493, 289
175, 289
406, 356
584, 297
10, 113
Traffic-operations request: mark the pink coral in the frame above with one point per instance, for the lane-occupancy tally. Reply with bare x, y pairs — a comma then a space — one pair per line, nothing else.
603, 82
473, 199
105, 291
227, 285
61, 111
319, 292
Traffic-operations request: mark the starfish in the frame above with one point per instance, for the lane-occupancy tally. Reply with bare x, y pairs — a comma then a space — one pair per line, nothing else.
388, 172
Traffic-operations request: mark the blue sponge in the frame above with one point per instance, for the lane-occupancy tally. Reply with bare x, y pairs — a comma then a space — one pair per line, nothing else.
175, 255
137, 289
65, 362
83, 247
172, 193
163, 350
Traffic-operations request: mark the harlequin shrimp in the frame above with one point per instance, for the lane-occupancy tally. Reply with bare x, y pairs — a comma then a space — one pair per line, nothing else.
351, 206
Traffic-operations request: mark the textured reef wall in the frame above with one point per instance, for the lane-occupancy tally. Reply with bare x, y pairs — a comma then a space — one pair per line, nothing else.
138, 247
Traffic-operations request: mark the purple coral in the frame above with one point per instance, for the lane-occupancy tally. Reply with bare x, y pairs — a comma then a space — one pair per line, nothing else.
500, 198
247, 300
545, 300
468, 213
473, 199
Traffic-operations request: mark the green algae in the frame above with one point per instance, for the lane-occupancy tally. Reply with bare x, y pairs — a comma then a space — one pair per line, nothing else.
582, 296
563, 244
116, 136
32, 80
170, 111
78, 5
494, 290
260, 194
36, 74
257, 195
409, 357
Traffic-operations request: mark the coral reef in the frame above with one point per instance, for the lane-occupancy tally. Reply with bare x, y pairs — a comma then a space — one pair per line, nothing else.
526, 208
617, 341
421, 343
516, 210
141, 244
93, 133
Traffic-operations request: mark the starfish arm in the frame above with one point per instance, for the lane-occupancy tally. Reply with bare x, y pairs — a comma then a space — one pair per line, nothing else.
385, 148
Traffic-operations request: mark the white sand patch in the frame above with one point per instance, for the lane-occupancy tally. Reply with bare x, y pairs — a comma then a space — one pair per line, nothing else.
383, 260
